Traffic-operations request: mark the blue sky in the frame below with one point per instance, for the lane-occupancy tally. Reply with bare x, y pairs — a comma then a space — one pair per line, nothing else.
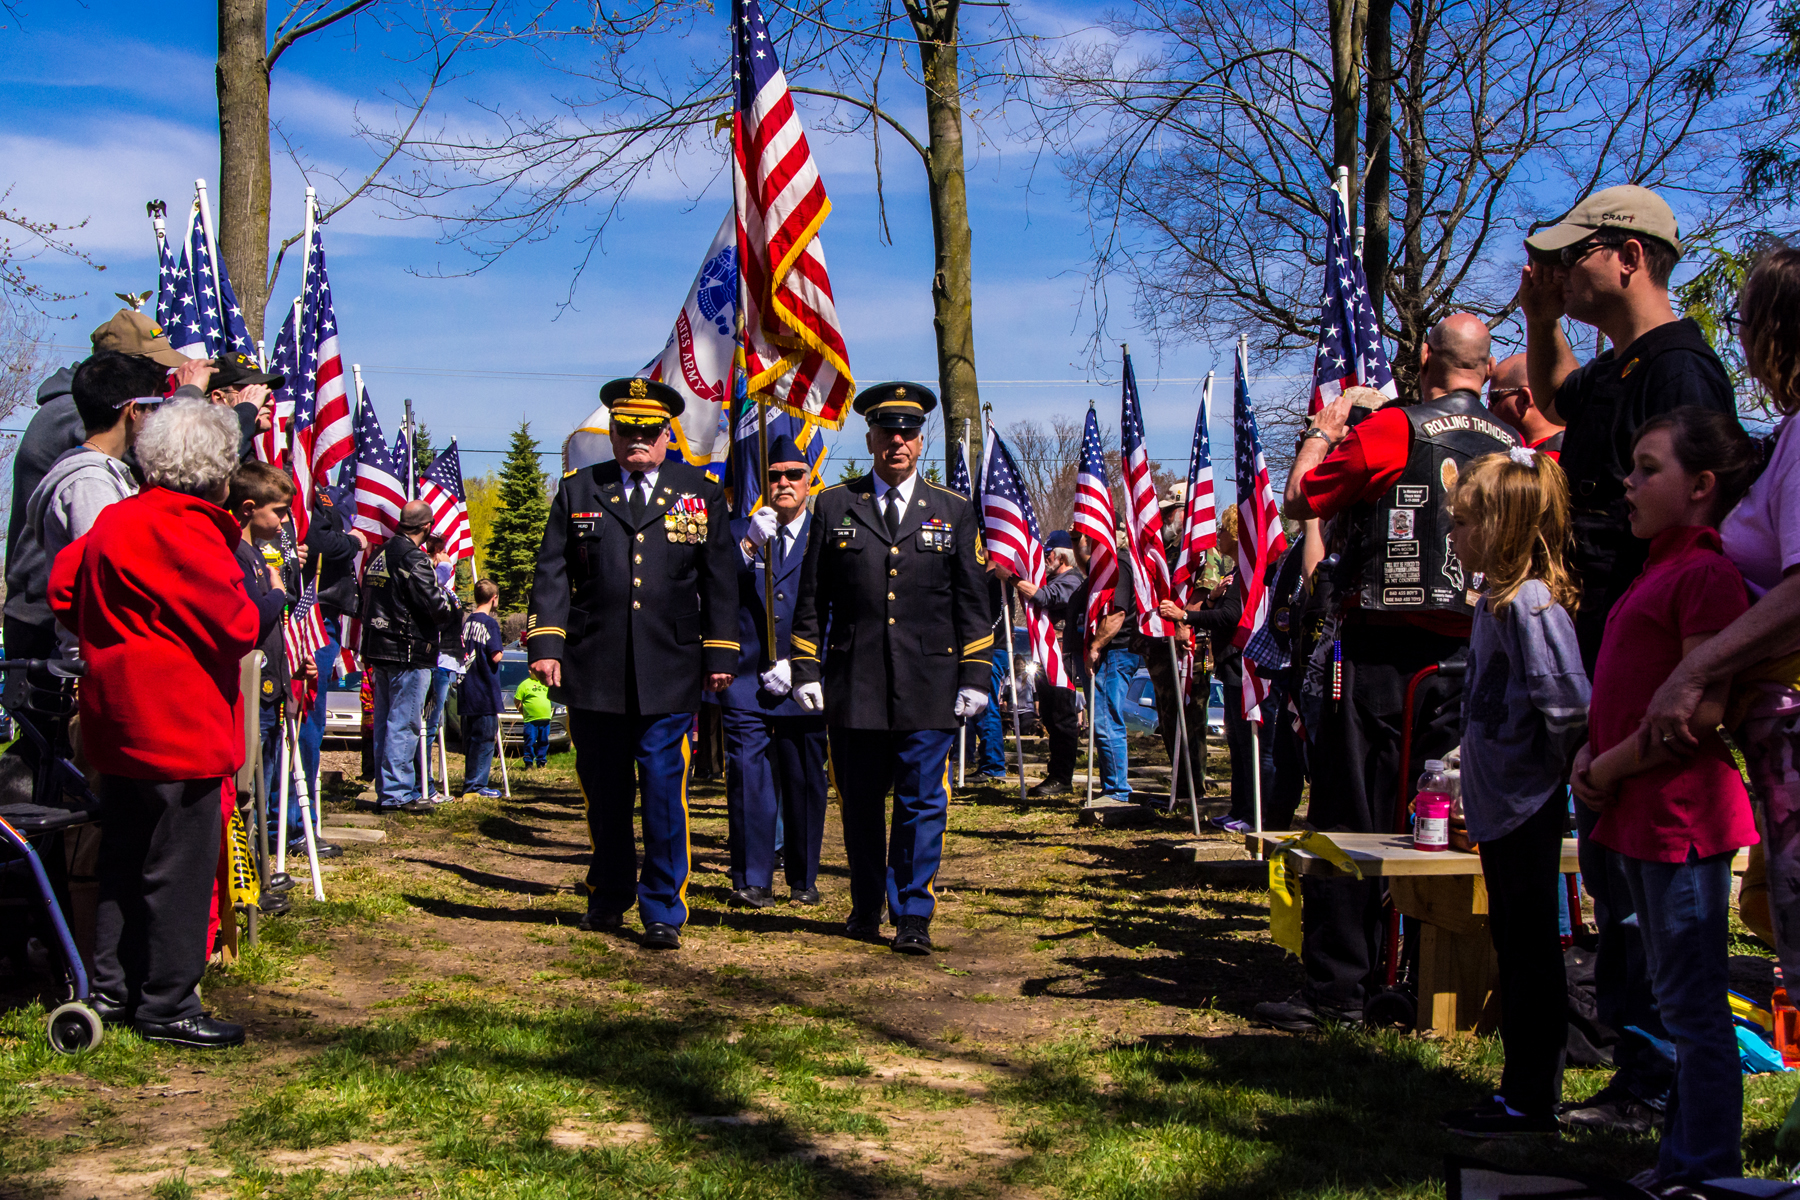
109, 108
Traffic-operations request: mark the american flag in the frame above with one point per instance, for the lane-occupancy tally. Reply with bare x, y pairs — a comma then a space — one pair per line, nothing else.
322, 430
206, 320
794, 348
1200, 530
1260, 539
1094, 519
442, 487
402, 457
272, 443
1015, 543
303, 636
379, 490
960, 481
1143, 521
1351, 352
167, 274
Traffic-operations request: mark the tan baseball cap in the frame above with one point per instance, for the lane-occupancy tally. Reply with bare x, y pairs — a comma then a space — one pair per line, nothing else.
131, 332
1626, 207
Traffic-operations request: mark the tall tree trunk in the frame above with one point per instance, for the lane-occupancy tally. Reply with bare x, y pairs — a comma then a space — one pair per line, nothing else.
243, 82
1410, 304
1347, 20
1376, 191
952, 292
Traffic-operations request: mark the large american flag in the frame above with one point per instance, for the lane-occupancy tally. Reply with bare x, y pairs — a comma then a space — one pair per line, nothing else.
1094, 519
1015, 542
380, 492
1200, 530
1351, 352
205, 320
1260, 539
272, 443
442, 487
794, 347
1143, 520
322, 430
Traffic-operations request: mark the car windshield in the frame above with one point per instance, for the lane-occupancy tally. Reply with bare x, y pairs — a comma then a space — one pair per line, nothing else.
512, 673
349, 682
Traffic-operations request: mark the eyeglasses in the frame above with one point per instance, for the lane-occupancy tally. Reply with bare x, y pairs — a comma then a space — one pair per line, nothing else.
1502, 393
141, 401
1568, 256
792, 474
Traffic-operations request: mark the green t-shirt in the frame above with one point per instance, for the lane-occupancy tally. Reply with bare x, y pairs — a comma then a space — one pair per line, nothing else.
534, 700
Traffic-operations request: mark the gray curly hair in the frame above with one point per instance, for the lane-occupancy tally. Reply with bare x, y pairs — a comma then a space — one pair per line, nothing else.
189, 446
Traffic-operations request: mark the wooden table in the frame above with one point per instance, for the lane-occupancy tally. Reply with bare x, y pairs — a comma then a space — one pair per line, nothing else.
1445, 892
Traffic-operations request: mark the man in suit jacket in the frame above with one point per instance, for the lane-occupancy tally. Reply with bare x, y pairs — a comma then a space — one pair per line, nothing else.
894, 573
774, 749
633, 609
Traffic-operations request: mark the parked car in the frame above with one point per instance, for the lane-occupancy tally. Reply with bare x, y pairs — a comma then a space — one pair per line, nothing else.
513, 669
343, 708
1140, 705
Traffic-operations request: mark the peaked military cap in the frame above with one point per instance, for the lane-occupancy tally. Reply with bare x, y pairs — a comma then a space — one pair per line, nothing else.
641, 401
896, 405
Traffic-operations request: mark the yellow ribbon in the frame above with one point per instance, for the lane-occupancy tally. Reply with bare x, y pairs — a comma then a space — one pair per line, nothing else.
1284, 882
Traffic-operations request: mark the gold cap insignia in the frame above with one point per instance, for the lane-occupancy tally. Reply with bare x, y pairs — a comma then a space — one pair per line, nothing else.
899, 393
639, 388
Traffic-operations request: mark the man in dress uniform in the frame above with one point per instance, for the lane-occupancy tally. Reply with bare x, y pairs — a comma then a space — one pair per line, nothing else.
774, 749
894, 572
633, 610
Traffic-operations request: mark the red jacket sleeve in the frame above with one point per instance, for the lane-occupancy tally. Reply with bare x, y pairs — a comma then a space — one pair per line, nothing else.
1364, 465
65, 581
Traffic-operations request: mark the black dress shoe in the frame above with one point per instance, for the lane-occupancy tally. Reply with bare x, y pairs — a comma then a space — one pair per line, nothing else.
273, 903
327, 850
601, 922
864, 927
658, 936
110, 1012
913, 936
752, 897
196, 1033
808, 896
1050, 787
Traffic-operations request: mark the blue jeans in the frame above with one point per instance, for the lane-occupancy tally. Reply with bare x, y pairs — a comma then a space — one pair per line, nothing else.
1112, 678
435, 699
1681, 909
1623, 994
478, 748
990, 730
537, 741
399, 702
312, 722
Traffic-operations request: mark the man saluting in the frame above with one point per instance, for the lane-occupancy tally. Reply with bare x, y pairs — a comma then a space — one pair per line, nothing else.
894, 572
633, 607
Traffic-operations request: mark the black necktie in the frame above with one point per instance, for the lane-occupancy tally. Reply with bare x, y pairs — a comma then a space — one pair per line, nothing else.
787, 548
637, 498
893, 514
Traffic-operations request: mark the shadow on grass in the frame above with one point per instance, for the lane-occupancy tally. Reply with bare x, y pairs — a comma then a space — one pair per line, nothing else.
487, 879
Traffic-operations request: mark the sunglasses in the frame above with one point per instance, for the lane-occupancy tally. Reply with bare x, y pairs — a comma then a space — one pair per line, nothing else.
632, 431
1568, 256
792, 474
142, 402
1500, 393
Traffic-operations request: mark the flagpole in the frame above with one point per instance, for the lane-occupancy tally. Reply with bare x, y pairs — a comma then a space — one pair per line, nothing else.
1012, 675
1206, 702
962, 730
212, 250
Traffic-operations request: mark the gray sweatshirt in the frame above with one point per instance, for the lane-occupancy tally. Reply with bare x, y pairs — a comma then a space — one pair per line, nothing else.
1524, 711
63, 507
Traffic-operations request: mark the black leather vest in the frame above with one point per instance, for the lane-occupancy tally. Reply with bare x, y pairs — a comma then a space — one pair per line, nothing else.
1398, 557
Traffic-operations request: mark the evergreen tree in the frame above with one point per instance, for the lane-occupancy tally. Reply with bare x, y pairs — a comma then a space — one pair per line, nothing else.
423, 450
519, 517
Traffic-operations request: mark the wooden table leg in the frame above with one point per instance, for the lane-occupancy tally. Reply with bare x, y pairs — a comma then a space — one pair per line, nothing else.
1456, 966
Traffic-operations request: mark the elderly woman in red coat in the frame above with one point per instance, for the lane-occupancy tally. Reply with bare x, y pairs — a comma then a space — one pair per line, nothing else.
157, 598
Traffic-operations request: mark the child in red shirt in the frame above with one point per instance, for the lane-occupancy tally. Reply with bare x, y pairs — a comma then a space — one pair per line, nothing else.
1676, 821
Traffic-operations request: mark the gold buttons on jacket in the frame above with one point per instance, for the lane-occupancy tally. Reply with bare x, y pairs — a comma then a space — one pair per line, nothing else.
636, 604
890, 595
636, 582
890, 620
893, 570
640, 537
893, 549
637, 558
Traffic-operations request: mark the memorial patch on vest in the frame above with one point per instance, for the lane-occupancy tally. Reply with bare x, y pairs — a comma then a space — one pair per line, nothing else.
1402, 597
1411, 496
1400, 524
1403, 550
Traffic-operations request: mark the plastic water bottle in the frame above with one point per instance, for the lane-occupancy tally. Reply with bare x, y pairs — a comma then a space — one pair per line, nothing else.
1431, 808
1787, 1022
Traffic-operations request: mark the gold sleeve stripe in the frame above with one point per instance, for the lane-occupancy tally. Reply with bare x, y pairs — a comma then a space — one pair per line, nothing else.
809, 647
804, 657
721, 645
979, 644
546, 630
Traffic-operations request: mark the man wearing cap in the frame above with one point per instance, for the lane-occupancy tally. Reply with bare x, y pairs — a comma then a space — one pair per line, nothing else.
1056, 706
403, 610
54, 430
633, 611
894, 575
774, 749
240, 384
1607, 264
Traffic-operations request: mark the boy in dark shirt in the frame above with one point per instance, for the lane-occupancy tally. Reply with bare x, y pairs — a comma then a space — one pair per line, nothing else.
478, 701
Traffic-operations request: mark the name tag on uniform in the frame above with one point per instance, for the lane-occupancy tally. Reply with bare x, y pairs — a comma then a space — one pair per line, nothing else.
845, 534
585, 522
937, 536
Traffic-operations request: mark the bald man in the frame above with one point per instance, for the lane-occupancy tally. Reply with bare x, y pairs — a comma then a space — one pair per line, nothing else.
1403, 602
404, 612
1509, 398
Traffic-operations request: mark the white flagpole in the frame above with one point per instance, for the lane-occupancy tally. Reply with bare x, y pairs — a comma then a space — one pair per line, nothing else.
500, 753
306, 821
1012, 677
962, 731
212, 251
286, 773
1256, 783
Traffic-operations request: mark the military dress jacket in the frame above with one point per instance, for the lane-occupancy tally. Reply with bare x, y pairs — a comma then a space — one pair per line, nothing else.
907, 616
648, 607
746, 691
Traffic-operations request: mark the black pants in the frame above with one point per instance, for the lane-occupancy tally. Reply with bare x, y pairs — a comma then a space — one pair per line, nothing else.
1340, 920
159, 852
1056, 708
774, 768
1281, 797
1523, 874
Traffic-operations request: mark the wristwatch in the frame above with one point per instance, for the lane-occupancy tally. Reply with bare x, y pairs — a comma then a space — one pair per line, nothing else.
1316, 432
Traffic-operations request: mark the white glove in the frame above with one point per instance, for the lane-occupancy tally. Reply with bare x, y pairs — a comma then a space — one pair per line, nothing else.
811, 696
970, 704
763, 524
778, 680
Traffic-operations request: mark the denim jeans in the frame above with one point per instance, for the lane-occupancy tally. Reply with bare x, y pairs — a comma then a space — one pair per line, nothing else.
399, 702
1681, 908
312, 722
478, 748
1112, 678
537, 741
990, 729
435, 699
